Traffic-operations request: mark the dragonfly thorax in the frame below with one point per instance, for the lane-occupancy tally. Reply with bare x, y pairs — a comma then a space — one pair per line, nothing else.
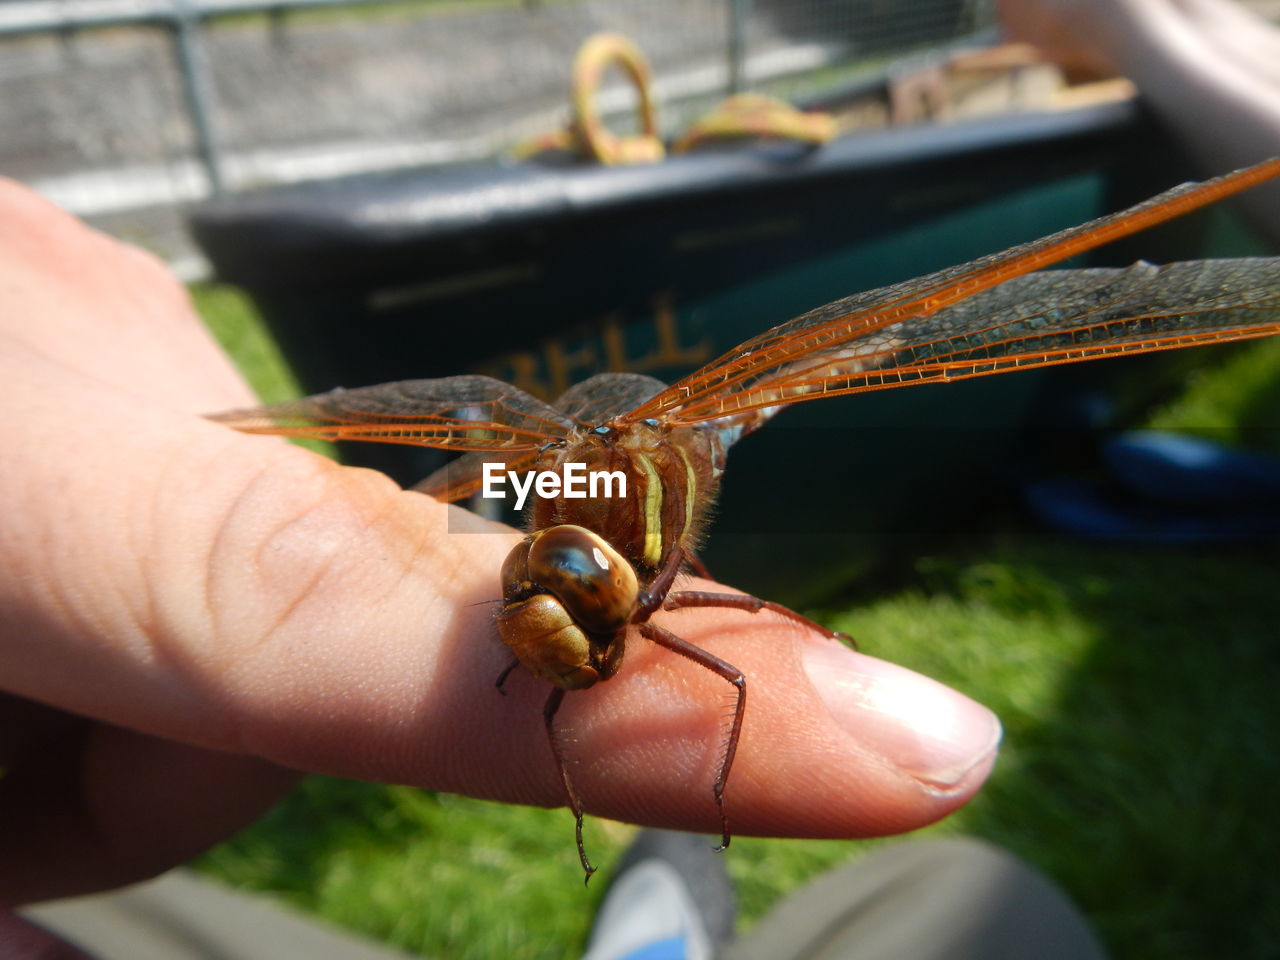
669, 478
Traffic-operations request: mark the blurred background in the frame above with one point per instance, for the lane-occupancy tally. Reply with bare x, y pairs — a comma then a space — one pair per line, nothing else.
354, 193
127, 111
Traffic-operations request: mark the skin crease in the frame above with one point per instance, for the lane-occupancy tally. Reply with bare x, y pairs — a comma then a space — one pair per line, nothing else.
190, 616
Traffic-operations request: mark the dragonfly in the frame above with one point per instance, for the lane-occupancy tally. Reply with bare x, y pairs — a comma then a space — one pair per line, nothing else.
594, 568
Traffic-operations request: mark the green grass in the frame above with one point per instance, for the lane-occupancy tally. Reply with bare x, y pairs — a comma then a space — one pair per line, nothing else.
234, 322
1136, 689
1136, 686
443, 875
1237, 402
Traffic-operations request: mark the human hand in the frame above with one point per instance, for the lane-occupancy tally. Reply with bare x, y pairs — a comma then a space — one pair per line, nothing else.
1074, 34
188, 615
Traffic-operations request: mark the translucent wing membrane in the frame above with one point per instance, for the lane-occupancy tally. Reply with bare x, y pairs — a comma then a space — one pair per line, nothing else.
588, 403
607, 395
451, 413
846, 330
979, 318
464, 476
1047, 318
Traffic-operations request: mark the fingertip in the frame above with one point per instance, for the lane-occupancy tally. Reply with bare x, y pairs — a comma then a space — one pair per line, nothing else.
924, 729
834, 744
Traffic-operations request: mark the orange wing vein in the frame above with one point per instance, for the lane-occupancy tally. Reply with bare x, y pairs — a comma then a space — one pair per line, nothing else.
468, 413
956, 323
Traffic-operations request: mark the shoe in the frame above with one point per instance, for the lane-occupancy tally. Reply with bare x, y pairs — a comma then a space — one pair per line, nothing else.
670, 899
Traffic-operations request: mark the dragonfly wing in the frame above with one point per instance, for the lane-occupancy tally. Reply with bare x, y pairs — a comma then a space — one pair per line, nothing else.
1051, 317
606, 395
451, 413
1062, 315
589, 403
846, 327
464, 476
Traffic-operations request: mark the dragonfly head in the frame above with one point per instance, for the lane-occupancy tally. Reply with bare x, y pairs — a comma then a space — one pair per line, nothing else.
567, 595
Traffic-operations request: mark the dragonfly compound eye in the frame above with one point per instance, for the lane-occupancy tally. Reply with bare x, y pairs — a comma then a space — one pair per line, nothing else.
515, 573
595, 584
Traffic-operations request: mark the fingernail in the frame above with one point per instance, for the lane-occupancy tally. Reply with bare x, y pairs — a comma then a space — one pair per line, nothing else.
923, 728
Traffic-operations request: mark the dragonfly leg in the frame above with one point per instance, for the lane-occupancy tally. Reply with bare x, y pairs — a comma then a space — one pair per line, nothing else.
557, 749
738, 601
502, 677
699, 567
667, 639
651, 597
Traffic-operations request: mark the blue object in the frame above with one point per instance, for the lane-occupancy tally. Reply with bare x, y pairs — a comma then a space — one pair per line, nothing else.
1170, 489
1179, 469
673, 948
